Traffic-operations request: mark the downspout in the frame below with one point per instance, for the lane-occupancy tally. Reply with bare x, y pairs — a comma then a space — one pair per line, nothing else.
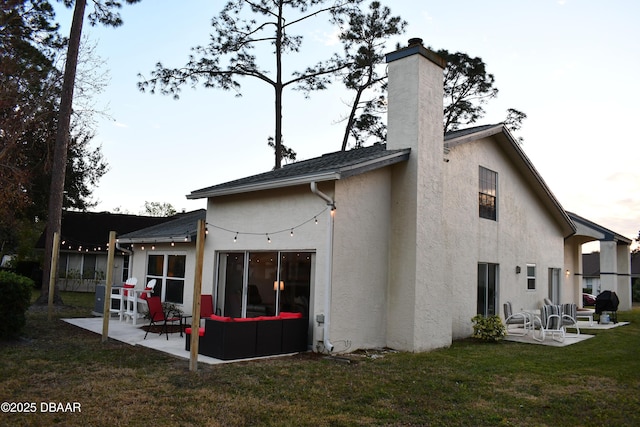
120, 248
327, 296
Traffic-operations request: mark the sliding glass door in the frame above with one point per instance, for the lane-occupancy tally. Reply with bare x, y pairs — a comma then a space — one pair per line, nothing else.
252, 284
487, 289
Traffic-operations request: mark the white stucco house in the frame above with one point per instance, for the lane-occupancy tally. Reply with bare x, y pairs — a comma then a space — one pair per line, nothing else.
395, 245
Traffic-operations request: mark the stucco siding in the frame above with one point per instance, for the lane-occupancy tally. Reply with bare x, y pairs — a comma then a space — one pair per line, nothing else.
524, 233
360, 268
256, 214
418, 314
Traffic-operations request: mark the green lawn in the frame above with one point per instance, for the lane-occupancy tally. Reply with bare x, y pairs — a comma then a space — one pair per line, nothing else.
593, 383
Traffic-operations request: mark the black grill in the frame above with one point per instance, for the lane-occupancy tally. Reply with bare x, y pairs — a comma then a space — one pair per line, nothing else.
608, 301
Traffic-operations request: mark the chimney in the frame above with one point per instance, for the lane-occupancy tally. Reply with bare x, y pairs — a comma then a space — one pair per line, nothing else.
415, 95
418, 316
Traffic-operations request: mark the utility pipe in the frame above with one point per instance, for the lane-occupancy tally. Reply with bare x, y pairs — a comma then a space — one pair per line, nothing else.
327, 296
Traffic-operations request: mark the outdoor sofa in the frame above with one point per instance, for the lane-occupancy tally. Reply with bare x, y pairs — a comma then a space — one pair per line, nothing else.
229, 338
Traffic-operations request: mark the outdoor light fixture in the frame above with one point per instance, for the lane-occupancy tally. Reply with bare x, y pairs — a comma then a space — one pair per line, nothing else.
567, 273
518, 269
275, 285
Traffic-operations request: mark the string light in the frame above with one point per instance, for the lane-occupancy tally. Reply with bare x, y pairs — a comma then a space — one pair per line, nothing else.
290, 230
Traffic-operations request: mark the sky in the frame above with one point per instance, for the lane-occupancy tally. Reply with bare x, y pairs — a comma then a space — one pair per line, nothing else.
570, 65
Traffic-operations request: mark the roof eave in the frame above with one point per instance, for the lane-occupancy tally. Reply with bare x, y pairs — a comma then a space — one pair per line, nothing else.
332, 175
261, 186
609, 235
450, 143
159, 239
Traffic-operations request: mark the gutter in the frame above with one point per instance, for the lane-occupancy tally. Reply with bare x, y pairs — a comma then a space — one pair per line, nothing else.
327, 296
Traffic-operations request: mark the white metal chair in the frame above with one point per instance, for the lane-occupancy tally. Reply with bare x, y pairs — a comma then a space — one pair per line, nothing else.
553, 321
570, 316
520, 320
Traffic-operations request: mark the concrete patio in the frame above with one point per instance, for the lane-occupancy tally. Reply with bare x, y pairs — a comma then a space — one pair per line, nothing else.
134, 335
570, 337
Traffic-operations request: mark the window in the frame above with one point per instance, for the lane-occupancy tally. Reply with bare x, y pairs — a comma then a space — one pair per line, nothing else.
62, 266
89, 267
80, 267
554, 284
125, 268
169, 272
487, 289
252, 284
531, 277
488, 184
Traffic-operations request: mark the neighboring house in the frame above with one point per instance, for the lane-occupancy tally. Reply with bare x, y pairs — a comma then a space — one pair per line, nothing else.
84, 241
395, 245
591, 271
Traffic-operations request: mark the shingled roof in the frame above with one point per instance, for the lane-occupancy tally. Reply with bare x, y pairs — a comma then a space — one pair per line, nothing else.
332, 166
183, 228
90, 230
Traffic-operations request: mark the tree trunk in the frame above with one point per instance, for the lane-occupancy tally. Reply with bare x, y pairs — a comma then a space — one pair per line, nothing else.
56, 191
278, 88
352, 117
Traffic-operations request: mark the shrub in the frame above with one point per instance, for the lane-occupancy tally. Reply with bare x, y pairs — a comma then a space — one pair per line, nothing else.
488, 328
15, 297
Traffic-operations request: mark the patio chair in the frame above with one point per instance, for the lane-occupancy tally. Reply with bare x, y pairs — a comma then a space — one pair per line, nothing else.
520, 319
150, 286
119, 294
570, 316
206, 306
550, 322
158, 316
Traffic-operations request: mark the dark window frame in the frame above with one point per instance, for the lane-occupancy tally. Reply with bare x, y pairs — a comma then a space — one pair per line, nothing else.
488, 193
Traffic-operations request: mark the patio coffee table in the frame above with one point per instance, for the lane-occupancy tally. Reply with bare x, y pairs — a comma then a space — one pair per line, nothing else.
585, 315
